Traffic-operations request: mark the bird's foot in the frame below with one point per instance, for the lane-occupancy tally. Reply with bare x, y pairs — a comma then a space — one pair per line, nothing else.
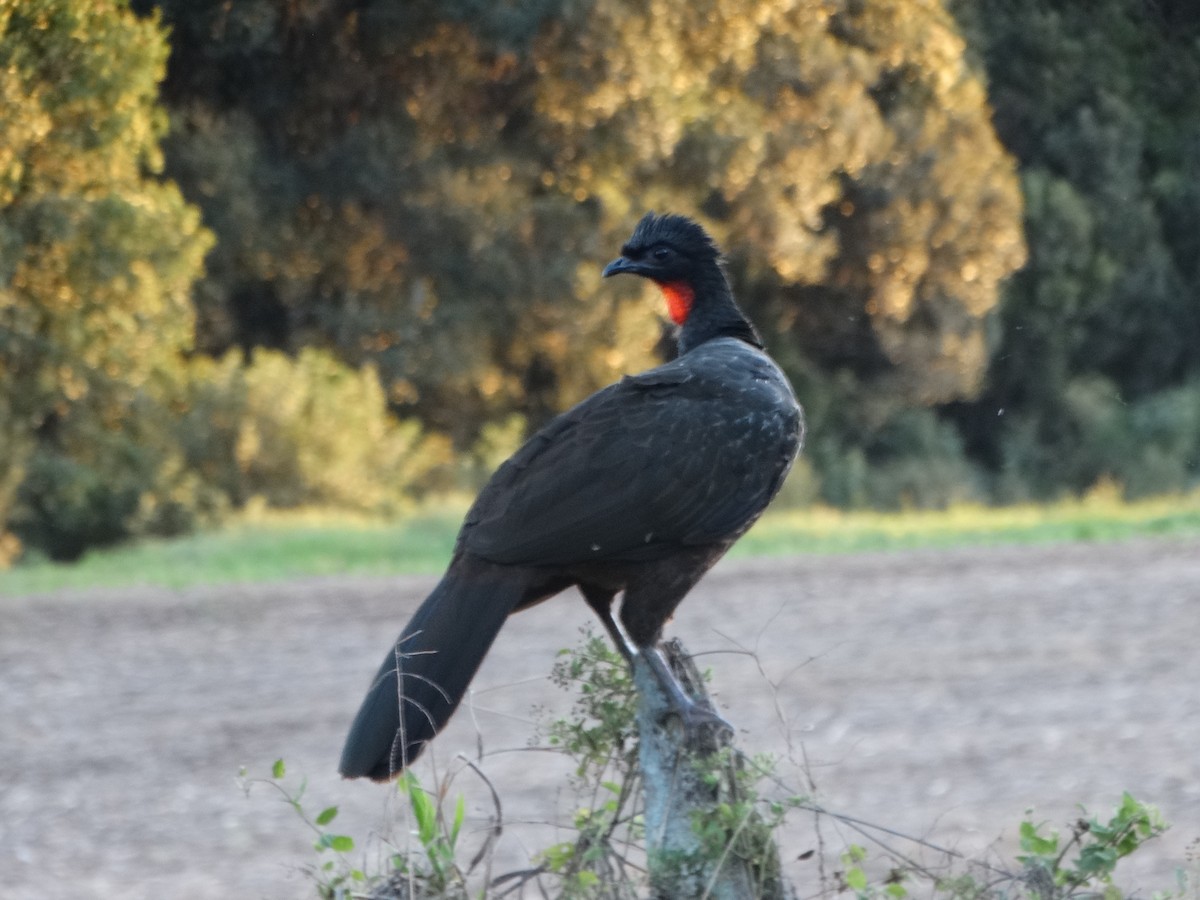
698, 717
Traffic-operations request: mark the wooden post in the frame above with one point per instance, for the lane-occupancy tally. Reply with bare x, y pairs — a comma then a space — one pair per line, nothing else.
692, 849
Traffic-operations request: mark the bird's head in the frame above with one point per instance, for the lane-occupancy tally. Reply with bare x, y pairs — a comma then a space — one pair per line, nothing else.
676, 254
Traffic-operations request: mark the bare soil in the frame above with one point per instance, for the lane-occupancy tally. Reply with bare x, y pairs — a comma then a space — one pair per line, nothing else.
939, 693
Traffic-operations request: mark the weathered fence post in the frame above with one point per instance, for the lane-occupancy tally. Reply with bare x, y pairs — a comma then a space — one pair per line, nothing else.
694, 849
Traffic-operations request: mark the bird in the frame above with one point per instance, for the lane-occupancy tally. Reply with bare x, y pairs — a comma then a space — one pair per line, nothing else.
636, 491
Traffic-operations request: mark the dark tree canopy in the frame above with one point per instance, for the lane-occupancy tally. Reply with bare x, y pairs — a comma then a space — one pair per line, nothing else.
1096, 366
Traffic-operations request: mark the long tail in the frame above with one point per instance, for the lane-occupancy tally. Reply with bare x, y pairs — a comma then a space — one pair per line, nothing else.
426, 674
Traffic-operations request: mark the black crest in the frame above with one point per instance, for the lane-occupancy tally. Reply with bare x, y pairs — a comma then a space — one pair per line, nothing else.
679, 232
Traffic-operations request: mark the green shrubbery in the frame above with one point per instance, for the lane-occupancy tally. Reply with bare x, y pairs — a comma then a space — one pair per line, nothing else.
280, 432
913, 461
1147, 446
305, 431
97, 260
103, 478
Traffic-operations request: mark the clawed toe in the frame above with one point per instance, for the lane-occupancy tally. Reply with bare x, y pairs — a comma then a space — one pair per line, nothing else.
696, 717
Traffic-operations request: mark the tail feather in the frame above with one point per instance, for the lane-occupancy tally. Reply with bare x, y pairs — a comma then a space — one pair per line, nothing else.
426, 673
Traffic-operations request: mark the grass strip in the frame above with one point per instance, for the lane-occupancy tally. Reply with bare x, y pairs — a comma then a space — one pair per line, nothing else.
277, 546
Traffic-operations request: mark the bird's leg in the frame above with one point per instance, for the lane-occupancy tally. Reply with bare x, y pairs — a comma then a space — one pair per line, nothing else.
601, 602
692, 714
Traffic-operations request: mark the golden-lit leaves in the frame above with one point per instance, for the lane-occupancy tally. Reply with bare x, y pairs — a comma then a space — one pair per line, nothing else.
97, 258
441, 189
783, 116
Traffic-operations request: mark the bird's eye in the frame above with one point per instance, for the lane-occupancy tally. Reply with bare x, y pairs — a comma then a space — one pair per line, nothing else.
661, 253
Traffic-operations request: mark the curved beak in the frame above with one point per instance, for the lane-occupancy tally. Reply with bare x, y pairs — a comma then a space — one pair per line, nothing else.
619, 265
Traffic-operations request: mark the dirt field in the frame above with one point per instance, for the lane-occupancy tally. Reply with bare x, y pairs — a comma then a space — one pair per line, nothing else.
937, 693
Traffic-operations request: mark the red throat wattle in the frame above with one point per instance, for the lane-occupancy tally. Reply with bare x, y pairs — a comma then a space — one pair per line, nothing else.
679, 296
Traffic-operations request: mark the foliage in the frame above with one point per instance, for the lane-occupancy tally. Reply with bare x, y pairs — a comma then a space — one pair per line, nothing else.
848, 148
1100, 847
438, 837
1097, 102
432, 872
109, 431
289, 432
743, 825
1045, 874
368, 203
333, 876
914, 460
97, 258
1148, 446
441, 234
606, 859
101, 480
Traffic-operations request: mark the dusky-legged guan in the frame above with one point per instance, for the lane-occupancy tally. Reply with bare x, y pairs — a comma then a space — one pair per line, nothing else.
638, 490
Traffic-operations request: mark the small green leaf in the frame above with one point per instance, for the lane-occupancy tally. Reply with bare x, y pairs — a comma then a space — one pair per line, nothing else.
1130, 807
426, 816
327, 815
460, 815
339, 842
1097, 859
1033, 842
855, 854
856, 879
278, 770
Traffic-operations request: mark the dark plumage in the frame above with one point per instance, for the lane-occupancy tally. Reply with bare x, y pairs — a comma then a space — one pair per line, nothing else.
638, 489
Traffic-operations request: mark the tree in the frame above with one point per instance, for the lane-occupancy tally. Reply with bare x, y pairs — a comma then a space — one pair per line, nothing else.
97, 257
1098, 332
848, 156
433, 189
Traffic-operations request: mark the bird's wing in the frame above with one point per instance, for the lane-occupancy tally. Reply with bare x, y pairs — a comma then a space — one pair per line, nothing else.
667, 458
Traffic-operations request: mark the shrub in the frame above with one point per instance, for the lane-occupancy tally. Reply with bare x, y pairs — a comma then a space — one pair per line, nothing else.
103, 475
1164, 434
305, 430
913, 461
1149, 446
917, 461
282, 431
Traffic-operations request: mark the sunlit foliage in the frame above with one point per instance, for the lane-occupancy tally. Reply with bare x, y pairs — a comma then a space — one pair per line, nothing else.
96, 259
306, 431
108, 426
434, 188
845, 152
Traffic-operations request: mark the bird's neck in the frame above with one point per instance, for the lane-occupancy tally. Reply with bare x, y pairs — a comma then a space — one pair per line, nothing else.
711, 311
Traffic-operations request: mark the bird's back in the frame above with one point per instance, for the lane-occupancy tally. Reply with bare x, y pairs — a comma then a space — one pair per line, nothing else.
684, 454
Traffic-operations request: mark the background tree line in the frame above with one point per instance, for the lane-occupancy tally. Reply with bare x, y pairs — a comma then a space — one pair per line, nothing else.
347, 251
